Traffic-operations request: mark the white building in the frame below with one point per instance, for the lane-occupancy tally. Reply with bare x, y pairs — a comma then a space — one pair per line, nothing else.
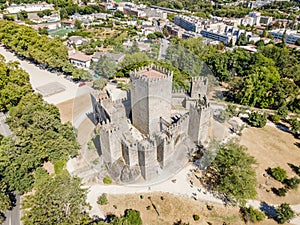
291, 35
80, 60
28, 8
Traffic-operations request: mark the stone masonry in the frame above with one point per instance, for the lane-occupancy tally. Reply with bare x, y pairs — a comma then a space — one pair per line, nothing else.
148, 141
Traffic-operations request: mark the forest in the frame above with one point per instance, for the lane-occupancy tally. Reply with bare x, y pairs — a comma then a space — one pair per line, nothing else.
26, 42
38, 134
269, 78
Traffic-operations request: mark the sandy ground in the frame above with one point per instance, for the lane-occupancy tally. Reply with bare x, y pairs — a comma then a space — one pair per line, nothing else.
74, 108
272, 147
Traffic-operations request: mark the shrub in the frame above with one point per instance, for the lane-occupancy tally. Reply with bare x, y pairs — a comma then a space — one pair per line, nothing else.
100, 83
284, 213
280, 191
107, 180
252, 215
209, 207
292, 183
196, 217
257, 119
148, 207
102, 199
278, 173
275, 118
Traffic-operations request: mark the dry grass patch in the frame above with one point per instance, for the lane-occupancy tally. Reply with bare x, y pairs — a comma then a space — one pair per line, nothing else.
272, 147
171, 209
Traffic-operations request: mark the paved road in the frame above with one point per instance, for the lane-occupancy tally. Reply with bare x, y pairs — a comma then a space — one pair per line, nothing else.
13, 217
163, 49
39, 77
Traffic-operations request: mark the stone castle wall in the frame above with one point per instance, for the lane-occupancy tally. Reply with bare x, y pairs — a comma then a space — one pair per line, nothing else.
110, 142
150, 100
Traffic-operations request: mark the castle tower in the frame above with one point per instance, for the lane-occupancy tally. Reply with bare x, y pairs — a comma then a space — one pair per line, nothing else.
151, 93
165, 149
130, 153
147, 153
111, 147
198, 86
199, 121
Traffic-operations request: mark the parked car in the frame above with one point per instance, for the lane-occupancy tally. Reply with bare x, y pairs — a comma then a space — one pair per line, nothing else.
81, 84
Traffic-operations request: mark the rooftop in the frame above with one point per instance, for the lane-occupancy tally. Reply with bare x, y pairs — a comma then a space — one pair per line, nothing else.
79, 56
151, 73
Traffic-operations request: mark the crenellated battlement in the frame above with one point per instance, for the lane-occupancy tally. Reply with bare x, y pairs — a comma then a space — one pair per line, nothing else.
147, 144
178, 124
108, 127
151, 74
200, 79
120, 100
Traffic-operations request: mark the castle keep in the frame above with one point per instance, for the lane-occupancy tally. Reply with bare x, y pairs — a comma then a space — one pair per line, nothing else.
146, 133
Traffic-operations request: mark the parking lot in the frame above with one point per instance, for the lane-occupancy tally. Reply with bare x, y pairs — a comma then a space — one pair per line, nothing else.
40, 77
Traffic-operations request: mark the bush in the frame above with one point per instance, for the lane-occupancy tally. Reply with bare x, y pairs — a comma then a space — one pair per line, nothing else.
99, 83
102, 199
257, 119
280, 191
196, 217
107, 180
252, 215
209, 207
278, 174
275, 118
284, 213
292, 183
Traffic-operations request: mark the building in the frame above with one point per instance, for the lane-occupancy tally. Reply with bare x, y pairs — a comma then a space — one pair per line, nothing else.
68, 23
14, 9
76, 40
116, 57
222, 37
188, 23
291, 35
265, 20
174, 30
141, 135
80, 60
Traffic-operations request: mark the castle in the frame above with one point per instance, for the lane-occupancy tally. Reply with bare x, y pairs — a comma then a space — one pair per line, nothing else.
152, 128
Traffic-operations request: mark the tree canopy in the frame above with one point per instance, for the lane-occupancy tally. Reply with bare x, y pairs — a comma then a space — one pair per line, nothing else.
232, 173
28, 43
64, 203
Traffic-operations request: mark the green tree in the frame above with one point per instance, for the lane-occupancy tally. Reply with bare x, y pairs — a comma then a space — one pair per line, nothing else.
232, 173
78, 24
242, 40
151, 36
102, 199
22, 15
5, 202
131, 217
38, 136
252, 215
105, 67
119, 14
99, 83
82, 74
257, 119
292, 183
278, 174
284, 213
43, 31
64, 203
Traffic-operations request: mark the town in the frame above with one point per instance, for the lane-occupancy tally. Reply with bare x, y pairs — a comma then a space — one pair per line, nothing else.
149, 112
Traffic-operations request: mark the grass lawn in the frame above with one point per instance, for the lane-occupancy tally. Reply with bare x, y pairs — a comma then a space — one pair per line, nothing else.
60, 32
